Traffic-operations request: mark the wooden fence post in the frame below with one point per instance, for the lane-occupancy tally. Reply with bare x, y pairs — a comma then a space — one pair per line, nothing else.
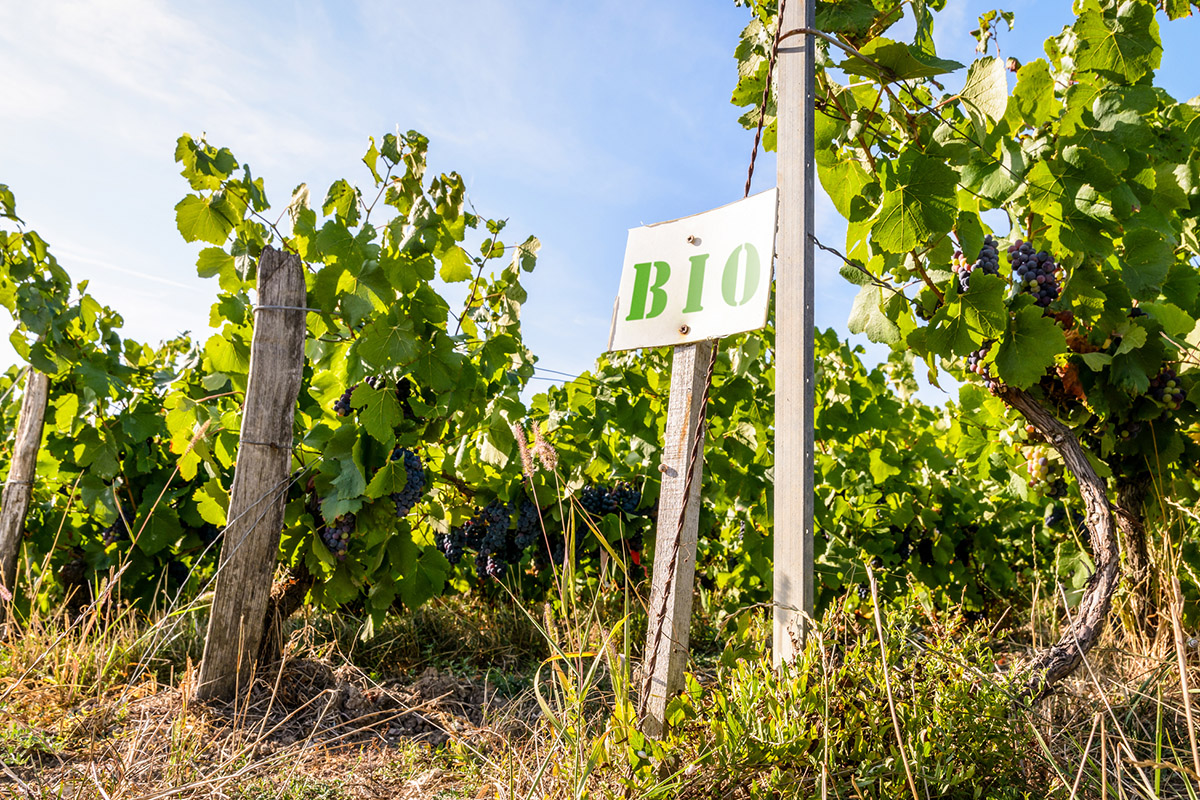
19, 486
675, 545
260, 480
794, 391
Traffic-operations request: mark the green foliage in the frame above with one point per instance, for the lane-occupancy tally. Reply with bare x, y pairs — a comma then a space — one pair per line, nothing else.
823, 722
418, 375
891, 487
1085, 159
107, 493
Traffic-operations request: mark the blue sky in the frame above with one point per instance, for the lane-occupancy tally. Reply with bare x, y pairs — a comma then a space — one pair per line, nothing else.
576, 121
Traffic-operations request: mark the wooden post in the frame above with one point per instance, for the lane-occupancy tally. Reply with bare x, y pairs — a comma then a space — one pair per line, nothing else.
675, 546
19, 486
260, 480
794, 336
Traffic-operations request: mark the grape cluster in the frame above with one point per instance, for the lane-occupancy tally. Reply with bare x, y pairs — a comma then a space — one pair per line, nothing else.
1035, 273
1128, 431
626, 497
1037, 463
988, 262
623, 498
1167, 390
336, 535
116, 532
414, 486
487, 534
555, 551
529, 524
597, 500
493, 537
977, 365
342, 406
864, 591
450, 545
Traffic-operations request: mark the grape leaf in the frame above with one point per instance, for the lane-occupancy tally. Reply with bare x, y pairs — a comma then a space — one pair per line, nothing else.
1122, 47
388, 341
379, 412
1029, 348
1133, 336
391, 477
979, 313
229, 356
427, 580
198, 218
1033, 98
212, 501
919, 201
880, 469
1148, 258
214, 261
1174, 320
342, 201
867, 317
456, 265
995, 179
159, 526
844, 180
897, 61
985, 92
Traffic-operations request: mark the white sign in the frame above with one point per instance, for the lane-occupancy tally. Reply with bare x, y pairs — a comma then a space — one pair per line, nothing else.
697, 278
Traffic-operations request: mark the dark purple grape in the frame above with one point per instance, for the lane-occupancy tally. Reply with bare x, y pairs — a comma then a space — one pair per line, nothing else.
987, 262
1034, 273
336, 535
977, 365
415, 481
342, 406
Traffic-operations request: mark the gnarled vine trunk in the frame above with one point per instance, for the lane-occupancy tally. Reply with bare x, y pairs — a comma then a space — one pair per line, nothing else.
1139, 576
1087, 623
287, 595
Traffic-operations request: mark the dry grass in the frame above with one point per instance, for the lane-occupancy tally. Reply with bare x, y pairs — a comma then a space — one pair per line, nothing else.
471, 698
98, 709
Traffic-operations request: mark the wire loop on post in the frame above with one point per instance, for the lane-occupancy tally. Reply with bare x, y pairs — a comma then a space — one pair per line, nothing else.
287, 308
266, 444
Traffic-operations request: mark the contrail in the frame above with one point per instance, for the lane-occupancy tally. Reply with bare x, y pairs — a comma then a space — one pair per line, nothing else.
69, 254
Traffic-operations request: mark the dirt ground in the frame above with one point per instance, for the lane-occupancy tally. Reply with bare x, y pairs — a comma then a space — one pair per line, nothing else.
305, 730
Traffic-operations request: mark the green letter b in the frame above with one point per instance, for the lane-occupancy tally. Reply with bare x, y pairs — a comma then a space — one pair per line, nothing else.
642, 286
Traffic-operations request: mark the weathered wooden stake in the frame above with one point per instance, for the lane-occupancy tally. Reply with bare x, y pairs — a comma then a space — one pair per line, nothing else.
19, 486
794, 336
260, 480
674, 546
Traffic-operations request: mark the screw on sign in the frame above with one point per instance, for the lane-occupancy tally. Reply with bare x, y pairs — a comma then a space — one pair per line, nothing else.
697, 278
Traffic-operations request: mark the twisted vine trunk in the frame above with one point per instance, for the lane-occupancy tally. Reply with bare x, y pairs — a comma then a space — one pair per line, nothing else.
287, 595
1130, 519
1087, 623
